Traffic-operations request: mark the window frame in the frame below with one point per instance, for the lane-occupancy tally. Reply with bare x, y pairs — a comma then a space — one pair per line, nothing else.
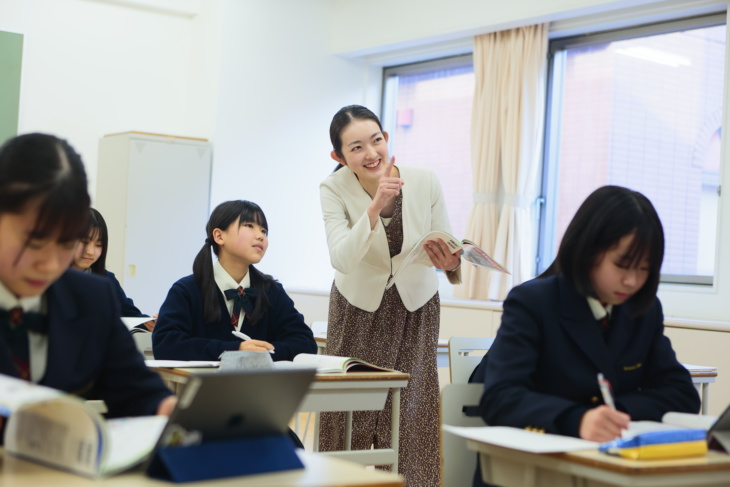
549, 179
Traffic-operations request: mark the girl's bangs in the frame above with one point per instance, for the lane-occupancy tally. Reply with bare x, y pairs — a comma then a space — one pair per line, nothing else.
642, 247
253, 215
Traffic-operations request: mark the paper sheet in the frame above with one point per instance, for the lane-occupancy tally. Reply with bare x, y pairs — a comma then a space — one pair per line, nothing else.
520, 439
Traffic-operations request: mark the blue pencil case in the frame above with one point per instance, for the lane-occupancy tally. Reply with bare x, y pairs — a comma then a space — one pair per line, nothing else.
657, 445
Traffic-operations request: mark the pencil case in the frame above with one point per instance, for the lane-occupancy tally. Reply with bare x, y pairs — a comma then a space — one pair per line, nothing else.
657, 445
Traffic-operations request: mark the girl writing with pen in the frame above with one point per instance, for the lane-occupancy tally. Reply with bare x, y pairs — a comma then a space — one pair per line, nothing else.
201, 311
593, 311
90, 256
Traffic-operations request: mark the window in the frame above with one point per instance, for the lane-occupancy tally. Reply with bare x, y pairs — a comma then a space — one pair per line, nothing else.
640, 108
427, 113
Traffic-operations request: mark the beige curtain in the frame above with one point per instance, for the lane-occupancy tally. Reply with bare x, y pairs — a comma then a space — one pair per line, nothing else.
507, 127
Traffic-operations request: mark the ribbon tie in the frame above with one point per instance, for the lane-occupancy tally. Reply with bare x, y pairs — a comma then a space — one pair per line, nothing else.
242, 299
14, 327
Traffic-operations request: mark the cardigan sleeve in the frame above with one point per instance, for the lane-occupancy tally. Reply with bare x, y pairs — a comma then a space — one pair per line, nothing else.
347, 243
440, 220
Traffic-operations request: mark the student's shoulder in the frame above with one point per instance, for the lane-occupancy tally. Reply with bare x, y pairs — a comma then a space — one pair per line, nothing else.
81, 286
273, 288
187, 283
539, 289
343, 178
74, 278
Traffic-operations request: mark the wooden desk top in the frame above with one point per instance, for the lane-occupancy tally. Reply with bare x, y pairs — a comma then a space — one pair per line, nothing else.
713, 461
321, 471
334, 377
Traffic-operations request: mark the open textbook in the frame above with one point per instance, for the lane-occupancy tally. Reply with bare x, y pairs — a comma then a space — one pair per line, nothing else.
54, 428
470, 252
326, 364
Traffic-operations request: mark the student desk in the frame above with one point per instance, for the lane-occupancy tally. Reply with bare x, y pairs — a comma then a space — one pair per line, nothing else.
702, 377
590, 468
352, 391
320, 471
442, 350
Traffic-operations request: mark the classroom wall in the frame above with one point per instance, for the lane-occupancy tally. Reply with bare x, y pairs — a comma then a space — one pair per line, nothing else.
94, 67
279, 87
410, 23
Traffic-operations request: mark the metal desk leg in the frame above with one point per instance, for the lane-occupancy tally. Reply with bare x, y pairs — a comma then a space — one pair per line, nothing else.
348, 430
315, 444
395, 426
705, 397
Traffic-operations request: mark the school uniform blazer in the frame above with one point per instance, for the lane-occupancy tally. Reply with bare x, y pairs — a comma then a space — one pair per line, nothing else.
541, 370
361, 257
127, 305
180, 333
90, 352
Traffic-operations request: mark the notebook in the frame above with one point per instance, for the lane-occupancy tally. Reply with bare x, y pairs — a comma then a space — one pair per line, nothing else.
236, 404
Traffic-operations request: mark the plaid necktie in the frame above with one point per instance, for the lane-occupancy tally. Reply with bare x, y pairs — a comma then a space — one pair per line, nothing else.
14, 327
242, 299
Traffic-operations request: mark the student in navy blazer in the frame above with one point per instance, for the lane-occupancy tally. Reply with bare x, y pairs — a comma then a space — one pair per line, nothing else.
58, 327
197, 319
593, 311
90, 257
90, 352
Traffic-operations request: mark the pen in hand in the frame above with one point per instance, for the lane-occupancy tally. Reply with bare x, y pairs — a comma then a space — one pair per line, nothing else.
605, 387
244, 337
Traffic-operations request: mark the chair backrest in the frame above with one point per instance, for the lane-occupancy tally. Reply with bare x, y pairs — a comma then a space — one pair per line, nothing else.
459, 462
143, 340
319, 329
465, 353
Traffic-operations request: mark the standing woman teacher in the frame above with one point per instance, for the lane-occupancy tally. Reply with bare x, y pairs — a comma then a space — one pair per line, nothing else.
374, 213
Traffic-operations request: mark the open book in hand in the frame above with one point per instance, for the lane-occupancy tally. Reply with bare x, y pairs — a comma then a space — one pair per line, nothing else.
331, 363
470, 253
62, 431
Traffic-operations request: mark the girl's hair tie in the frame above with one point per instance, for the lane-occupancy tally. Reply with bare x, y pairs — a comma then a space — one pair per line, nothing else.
209, 241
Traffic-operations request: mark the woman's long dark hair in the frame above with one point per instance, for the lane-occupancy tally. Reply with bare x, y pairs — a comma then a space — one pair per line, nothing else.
605, 217
342, 119
97, 229
46, 169
225, 215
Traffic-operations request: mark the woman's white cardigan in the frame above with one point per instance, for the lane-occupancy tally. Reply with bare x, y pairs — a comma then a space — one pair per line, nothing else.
360, 256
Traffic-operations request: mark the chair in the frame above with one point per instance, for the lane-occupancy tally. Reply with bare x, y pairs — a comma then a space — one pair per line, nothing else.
462, 359
459, 463
143, 340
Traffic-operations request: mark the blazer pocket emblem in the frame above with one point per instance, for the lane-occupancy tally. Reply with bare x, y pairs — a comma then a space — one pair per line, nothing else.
629, 368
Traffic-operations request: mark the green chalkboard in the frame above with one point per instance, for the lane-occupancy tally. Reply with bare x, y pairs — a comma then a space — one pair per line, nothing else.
11, 57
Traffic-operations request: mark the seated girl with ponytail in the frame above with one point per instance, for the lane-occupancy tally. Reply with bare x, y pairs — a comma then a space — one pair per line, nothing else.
202, 310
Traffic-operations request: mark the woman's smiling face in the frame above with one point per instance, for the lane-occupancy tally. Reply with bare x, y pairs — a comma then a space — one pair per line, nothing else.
365, 150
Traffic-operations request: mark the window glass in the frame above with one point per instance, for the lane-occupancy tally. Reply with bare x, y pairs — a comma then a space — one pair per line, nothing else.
643, 112
427, 112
